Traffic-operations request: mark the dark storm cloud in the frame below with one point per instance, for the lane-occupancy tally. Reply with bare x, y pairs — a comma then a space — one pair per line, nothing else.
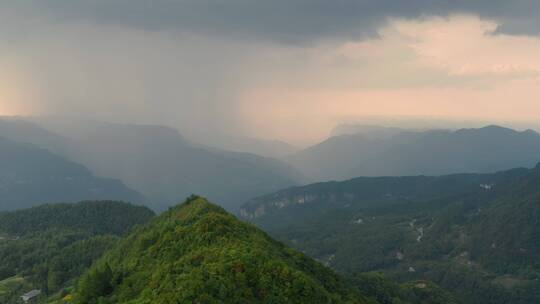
284, 20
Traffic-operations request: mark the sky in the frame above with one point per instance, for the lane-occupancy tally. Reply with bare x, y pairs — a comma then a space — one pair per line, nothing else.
280, 69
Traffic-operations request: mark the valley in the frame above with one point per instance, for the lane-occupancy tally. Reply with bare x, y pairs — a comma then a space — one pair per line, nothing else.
156, 161
457, 238
478, 242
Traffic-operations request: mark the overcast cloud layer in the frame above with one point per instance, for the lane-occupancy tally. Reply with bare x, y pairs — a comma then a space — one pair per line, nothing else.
260, 68
293, 21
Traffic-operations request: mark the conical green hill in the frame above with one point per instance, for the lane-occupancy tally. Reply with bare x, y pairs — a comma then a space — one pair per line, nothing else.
198, 253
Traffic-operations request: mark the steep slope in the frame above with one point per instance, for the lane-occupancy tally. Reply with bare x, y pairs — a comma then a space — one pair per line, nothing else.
31, 175
474, 234
47, 247
436, 152
197, 253
506, 236
158, 162
298, 204
20, 130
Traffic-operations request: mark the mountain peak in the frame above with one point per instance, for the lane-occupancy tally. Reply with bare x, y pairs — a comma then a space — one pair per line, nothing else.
496, 130
195, 206
494, 127
198, 253
530, 132
490, 129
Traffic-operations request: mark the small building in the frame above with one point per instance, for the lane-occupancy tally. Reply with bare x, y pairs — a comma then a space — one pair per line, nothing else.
486, 186
27, 297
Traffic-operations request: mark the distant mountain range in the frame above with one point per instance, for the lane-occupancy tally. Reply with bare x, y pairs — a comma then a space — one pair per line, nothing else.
163, 166
155, 160
377, 151
373, 131
476, 235
31, 175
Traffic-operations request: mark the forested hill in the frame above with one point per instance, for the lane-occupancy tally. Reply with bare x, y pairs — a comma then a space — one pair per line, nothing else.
194, 253
47, 247
297, 203
31, 176
198, 253
477, 236
94, 217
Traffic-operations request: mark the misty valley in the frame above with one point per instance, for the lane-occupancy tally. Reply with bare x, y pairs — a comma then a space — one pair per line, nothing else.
98, 214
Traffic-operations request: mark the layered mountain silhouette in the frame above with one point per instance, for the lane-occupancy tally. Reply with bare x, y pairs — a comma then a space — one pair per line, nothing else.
31, 175
155, 160
393, 152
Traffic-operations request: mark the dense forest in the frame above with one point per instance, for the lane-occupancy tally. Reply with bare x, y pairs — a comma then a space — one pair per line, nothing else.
49, 246
474, 235
112, 252
197, 253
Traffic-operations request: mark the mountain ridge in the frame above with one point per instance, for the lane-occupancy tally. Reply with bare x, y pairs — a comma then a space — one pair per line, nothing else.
407, 152
165, 166
57, 180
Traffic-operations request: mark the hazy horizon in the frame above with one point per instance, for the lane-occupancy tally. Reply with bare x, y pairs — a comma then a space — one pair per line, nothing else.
220, 139
271, 70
